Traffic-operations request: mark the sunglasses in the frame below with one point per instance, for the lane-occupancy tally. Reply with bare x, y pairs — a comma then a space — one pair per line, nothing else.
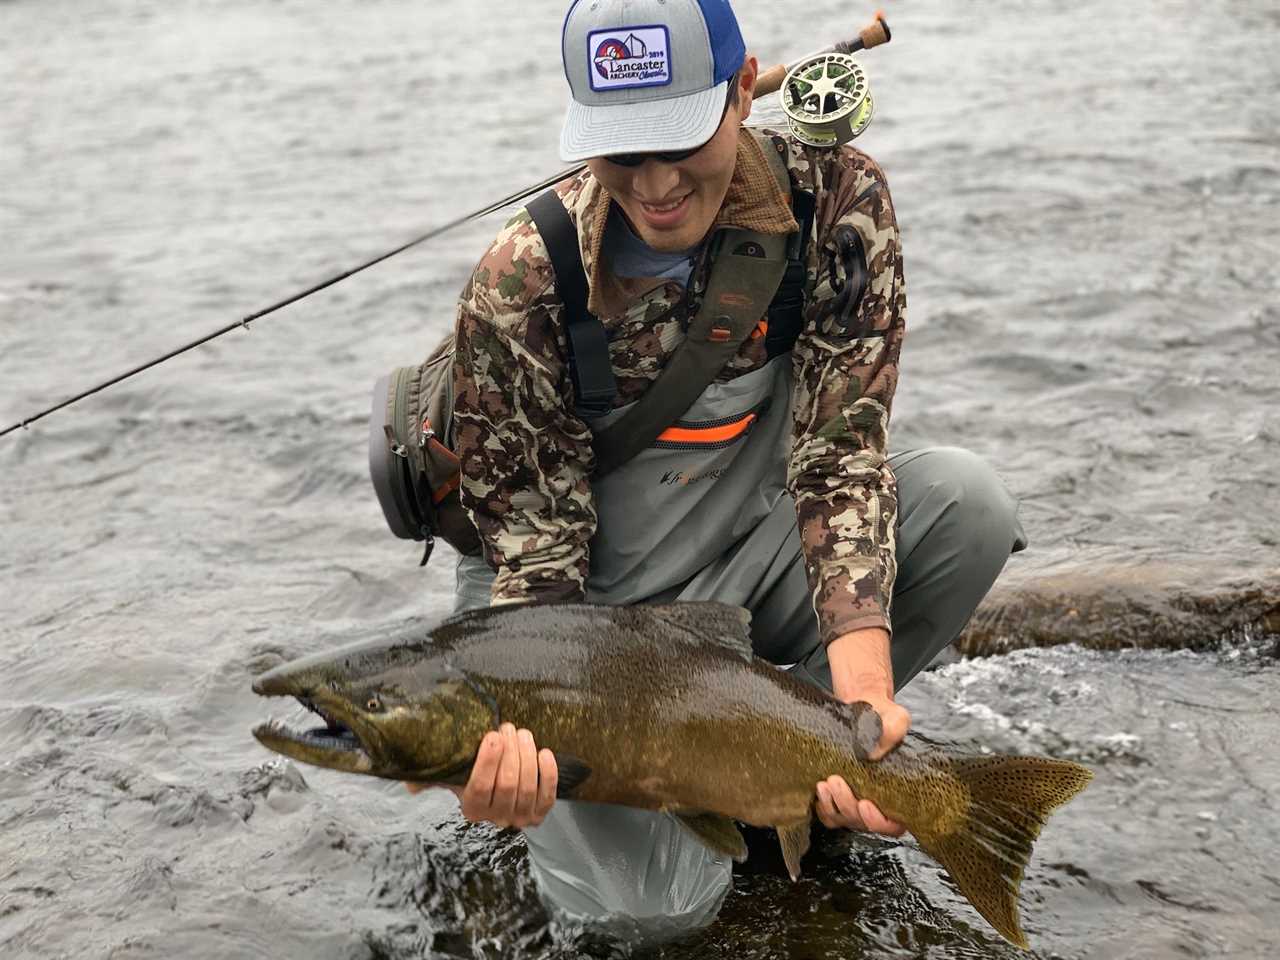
670, 156
666, 156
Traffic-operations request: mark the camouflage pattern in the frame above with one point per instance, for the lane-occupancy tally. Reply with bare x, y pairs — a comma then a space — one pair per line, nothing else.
527, 458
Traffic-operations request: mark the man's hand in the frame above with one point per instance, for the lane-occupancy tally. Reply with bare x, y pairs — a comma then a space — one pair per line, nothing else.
861, 670
512, 784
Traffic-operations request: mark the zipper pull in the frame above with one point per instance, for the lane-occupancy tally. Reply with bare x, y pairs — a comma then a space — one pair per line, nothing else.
396, 447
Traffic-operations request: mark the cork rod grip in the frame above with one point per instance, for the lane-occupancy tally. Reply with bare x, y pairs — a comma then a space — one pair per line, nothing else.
872, 35
770, 81
876, 32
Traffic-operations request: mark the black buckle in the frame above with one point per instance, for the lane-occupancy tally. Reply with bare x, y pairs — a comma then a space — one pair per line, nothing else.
591, 401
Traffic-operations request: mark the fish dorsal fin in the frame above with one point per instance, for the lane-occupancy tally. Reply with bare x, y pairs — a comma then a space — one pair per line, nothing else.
704, 621
716, 832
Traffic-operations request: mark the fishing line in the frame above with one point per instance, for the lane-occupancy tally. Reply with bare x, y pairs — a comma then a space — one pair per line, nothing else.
827, 121
243, 323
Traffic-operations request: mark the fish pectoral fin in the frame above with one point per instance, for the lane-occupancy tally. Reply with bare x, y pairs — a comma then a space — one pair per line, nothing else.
706, 621
717, 832
794, 838
572, 773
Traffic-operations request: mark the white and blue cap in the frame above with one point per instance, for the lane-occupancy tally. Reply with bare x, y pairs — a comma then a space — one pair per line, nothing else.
646, 75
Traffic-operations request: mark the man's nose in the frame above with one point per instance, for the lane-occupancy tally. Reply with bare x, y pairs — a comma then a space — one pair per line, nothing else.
655, 181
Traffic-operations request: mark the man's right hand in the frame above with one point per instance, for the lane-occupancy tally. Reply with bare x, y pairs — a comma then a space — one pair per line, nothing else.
512, 784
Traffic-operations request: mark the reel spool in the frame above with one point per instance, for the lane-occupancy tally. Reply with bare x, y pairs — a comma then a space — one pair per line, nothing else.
827, 99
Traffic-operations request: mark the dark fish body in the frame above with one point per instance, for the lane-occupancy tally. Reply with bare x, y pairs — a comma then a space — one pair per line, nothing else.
663, 719
665, 708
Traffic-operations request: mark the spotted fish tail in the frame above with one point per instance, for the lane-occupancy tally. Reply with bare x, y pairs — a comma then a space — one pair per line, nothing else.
1011, 798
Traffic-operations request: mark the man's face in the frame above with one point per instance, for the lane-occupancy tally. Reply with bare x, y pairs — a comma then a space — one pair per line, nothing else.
671, 206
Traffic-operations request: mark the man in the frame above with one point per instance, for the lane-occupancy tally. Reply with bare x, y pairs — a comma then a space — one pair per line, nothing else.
773, 491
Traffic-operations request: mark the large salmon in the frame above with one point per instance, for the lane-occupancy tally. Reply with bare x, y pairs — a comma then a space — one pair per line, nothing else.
665, 708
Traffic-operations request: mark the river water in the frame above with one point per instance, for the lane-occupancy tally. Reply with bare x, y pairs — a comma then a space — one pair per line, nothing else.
1090, 202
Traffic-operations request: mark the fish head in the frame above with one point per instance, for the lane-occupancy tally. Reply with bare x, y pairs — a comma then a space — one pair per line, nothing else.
394, 710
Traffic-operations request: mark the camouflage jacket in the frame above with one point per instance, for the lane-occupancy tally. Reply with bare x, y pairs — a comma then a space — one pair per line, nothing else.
527, 457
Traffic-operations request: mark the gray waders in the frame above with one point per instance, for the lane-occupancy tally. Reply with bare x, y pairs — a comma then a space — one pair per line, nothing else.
702, 514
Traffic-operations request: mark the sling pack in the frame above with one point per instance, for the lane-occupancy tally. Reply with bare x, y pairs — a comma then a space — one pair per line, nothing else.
414, 470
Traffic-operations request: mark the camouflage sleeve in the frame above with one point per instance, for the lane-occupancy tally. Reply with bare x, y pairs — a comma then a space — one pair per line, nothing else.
525, 455
846, 369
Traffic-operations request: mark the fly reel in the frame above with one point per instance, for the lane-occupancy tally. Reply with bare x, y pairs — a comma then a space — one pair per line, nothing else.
827, 99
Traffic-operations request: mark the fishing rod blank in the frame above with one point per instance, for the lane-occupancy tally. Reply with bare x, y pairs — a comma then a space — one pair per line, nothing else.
243, 323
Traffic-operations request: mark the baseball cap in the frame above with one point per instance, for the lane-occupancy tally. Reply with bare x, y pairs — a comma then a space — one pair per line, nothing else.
646, 75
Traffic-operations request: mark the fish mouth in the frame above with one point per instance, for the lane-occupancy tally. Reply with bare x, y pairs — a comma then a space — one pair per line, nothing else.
334, 745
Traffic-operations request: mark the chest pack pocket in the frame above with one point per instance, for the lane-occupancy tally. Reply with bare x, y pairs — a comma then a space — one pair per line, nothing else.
752, 275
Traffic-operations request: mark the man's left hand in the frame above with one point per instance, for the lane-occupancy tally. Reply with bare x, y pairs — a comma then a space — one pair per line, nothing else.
861, 670
837, 806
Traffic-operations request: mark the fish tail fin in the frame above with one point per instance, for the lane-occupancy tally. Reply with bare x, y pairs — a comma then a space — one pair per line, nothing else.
1010, 798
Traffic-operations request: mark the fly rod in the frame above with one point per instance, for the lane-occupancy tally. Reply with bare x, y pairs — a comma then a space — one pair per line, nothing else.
769, 81
243, 323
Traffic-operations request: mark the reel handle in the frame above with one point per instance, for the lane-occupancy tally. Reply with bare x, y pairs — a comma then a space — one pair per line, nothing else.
872, 35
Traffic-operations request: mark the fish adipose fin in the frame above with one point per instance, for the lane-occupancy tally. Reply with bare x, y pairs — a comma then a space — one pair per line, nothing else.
1010, 800
794, 838
708, 622
718, 833
571, 774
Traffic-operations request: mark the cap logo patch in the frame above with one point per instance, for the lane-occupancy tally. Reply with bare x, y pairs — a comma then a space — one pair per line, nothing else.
629, 57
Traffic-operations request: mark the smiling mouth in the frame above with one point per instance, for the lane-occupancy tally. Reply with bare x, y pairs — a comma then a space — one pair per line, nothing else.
666, 215
665, 207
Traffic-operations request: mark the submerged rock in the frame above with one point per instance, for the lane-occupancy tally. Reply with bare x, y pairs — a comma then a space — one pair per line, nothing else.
1117, 608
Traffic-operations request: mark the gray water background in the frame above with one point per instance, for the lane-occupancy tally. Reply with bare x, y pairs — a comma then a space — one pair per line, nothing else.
1089, 196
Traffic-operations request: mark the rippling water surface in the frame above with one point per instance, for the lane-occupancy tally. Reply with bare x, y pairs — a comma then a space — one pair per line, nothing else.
1090, 202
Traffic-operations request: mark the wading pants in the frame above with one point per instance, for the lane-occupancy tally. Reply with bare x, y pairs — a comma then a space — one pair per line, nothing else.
642, 875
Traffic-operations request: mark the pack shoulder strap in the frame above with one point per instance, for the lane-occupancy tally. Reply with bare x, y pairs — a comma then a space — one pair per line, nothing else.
786, 311
747, 269
590, 368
